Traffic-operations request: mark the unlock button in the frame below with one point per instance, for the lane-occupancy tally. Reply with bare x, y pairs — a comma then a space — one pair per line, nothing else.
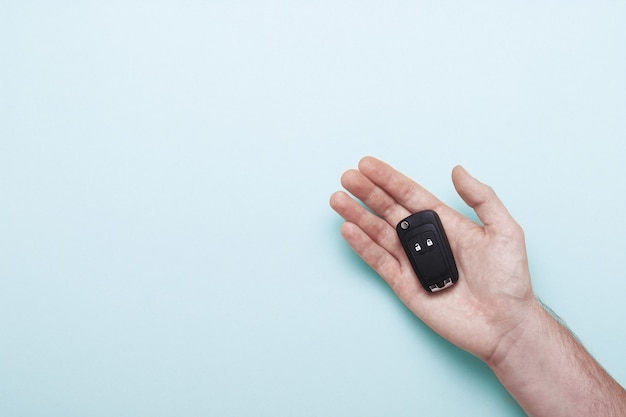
418, 245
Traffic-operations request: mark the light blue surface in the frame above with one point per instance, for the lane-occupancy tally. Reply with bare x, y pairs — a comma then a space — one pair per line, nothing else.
166, 245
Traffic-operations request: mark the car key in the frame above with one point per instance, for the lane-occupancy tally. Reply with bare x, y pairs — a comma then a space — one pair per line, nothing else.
427, 247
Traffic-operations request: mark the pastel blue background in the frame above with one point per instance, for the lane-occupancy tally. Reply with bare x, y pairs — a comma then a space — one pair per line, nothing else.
166, 245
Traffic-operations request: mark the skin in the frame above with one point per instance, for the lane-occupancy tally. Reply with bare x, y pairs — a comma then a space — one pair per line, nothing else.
491, 311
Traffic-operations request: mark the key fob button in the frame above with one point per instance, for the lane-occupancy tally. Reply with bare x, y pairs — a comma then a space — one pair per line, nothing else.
429, 240
419, 248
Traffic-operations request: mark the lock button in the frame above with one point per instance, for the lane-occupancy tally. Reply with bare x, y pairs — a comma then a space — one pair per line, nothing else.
429, 240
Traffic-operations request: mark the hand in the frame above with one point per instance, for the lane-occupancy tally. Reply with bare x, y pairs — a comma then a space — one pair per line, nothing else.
493, 295
491, 311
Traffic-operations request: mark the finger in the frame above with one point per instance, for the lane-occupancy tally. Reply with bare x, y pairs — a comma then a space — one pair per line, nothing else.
393, 272
401, 188
386, 257
376, 228
381, 261
488, 207
373, 197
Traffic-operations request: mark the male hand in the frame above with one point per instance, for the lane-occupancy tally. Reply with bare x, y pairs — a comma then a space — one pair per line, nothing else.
493, 295
491, 311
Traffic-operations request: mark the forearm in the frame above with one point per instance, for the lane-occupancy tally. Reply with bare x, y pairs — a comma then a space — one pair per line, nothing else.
550, 374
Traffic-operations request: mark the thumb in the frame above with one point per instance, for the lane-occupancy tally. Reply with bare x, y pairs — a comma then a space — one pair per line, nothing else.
482, 199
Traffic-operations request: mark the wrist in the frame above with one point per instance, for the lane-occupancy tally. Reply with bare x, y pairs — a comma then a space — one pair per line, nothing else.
550, 374
519, 340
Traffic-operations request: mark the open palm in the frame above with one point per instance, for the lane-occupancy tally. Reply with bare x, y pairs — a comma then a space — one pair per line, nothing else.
493, 293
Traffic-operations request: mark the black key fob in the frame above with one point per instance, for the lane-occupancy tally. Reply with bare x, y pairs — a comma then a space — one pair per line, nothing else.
427, 247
